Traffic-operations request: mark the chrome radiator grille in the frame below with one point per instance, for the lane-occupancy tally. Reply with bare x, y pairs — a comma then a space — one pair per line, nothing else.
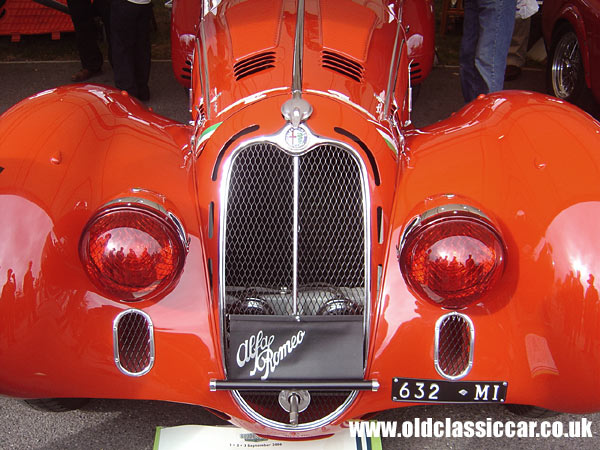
259, 269
294, 241
331, 230
258, 249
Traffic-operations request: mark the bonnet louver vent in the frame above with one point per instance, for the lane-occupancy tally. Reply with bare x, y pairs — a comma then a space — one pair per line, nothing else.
415, 71
254, 64
343, 65
186, 70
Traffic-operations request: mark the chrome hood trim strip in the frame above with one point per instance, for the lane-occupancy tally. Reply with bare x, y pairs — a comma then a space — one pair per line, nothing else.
298, 52
297, 110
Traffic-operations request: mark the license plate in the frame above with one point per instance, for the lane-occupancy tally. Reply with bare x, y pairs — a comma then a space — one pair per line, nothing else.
440, 391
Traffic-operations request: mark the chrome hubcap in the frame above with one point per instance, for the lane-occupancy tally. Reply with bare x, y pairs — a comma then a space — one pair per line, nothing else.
566, 66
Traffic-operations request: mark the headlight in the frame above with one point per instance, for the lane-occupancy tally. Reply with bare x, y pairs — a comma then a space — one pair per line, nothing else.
133, 249
452, 256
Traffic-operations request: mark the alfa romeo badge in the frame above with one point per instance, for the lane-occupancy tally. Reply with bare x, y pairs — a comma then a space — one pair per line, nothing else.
296, 138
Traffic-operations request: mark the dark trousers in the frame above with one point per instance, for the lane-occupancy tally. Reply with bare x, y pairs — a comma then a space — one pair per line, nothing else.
83, 13
130, 36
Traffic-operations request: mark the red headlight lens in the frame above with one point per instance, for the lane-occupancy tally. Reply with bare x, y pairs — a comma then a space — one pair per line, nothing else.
453, 260
132, 252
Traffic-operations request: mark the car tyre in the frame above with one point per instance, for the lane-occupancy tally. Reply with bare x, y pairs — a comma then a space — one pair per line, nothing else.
534, 412
57, 404
565, 74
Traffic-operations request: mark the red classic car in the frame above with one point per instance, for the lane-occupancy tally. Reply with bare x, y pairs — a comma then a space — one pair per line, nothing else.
572, 35
300, 255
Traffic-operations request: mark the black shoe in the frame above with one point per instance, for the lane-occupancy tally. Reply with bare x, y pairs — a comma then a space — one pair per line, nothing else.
512, 73
84, 74
144, 94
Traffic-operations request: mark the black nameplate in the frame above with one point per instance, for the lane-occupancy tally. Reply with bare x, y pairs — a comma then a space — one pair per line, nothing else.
283, 348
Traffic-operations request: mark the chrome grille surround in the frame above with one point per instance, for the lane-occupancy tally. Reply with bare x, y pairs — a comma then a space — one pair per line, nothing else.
281, 426
454, 340
133, 342
284, 230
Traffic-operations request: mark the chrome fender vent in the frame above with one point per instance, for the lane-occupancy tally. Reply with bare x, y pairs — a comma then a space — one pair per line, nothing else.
254, 64
454, 338
133, 339
342, 64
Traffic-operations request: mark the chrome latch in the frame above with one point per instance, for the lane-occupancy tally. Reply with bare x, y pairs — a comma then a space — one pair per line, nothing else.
294, 402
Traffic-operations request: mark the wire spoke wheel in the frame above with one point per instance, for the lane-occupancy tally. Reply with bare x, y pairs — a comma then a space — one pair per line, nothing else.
565, 75
566, 66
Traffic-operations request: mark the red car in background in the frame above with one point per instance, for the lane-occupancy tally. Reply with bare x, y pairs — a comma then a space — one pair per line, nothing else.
572, 33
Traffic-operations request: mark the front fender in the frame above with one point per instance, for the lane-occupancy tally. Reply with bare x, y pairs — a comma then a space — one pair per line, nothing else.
65, 153
530, 162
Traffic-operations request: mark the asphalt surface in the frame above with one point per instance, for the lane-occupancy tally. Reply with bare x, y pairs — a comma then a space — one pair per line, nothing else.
119, 424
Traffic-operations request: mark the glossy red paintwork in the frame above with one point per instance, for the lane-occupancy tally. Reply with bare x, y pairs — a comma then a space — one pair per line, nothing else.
241, 20
584, 17
528, 161
419, 18
185, 16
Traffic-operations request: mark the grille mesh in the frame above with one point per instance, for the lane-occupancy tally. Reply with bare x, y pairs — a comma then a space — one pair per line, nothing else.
331, 246
134, 342
454, 345
259, 260
259, 243
321, 405
259, 236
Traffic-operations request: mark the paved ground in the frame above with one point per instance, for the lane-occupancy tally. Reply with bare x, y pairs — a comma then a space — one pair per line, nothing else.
20, 80
116, 424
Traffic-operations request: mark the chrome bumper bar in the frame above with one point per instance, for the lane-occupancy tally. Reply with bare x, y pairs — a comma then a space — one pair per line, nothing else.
358, 385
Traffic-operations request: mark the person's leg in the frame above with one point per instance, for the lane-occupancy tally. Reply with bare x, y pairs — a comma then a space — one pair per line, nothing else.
123, 43
470, 79
496, 22
143, 51
82, 15
517, 53
102, 9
